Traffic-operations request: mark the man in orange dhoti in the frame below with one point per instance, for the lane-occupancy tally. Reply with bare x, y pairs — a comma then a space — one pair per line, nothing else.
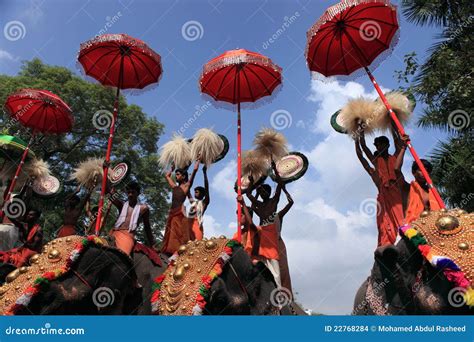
198, 207
131, 214
387, 176
271, 246
249, 230
32, 236
177, 230
420, 198
72, 211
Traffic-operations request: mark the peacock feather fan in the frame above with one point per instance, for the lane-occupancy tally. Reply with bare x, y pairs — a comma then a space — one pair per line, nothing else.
175, 152
270, 144
254, 165
360, 110
36, 168
400, 104
89, 173
206, 145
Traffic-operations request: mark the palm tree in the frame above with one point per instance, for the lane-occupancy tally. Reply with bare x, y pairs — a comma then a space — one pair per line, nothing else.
444, 84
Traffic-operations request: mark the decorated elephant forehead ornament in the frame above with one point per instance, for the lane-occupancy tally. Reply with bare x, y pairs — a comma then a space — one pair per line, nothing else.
55, 260
184, 287
446, 239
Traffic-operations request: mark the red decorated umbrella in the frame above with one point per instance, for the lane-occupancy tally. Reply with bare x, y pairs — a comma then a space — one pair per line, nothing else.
239, 76
41, 111
354, 34
123, 62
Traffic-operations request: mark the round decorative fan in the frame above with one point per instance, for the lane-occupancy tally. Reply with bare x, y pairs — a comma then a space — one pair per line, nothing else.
225, 148
291, 167
336, 124
119, 173
46, 187
246, 183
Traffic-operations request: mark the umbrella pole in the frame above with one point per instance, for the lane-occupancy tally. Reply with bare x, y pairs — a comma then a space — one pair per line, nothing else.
239, 174
17, 174
401, 130
106, 163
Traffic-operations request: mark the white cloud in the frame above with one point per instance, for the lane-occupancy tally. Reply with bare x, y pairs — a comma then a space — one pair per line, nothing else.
5, 55
223, 181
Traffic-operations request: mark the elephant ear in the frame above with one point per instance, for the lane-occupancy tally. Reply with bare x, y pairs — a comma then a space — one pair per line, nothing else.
387, 255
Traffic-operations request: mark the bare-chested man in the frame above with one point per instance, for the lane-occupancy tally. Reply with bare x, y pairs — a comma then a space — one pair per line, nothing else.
73, 208
177, 230
272, 248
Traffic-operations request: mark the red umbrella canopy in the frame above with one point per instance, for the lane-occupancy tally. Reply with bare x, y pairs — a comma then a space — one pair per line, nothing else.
351, 35
239, 76
121, 61
40, 110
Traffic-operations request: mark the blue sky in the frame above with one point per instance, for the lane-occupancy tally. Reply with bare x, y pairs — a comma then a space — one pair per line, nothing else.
330, 240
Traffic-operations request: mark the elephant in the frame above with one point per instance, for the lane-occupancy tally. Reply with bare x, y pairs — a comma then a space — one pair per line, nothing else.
243, 288
147, 270
248, 291
102, 281
403, 283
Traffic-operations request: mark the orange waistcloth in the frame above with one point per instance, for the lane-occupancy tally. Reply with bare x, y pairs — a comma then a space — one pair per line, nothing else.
263, 243
195, 229
66, 230
386, 170
19, 256
124, 240
269, 235
176, 231
415, 202
389, 214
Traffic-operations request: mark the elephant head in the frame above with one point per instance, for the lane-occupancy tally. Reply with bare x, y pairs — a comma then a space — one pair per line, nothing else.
243, 288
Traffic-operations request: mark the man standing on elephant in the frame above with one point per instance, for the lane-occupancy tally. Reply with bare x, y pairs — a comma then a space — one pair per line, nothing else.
73, 208
177, 230
388, 178
420, 198
271, 245
131, 213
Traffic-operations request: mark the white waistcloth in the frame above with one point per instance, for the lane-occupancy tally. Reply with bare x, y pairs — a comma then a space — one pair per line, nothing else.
196, 209
274, 267
133, 220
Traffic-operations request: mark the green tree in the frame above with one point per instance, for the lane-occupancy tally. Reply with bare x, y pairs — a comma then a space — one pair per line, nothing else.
444, 83
135, 141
